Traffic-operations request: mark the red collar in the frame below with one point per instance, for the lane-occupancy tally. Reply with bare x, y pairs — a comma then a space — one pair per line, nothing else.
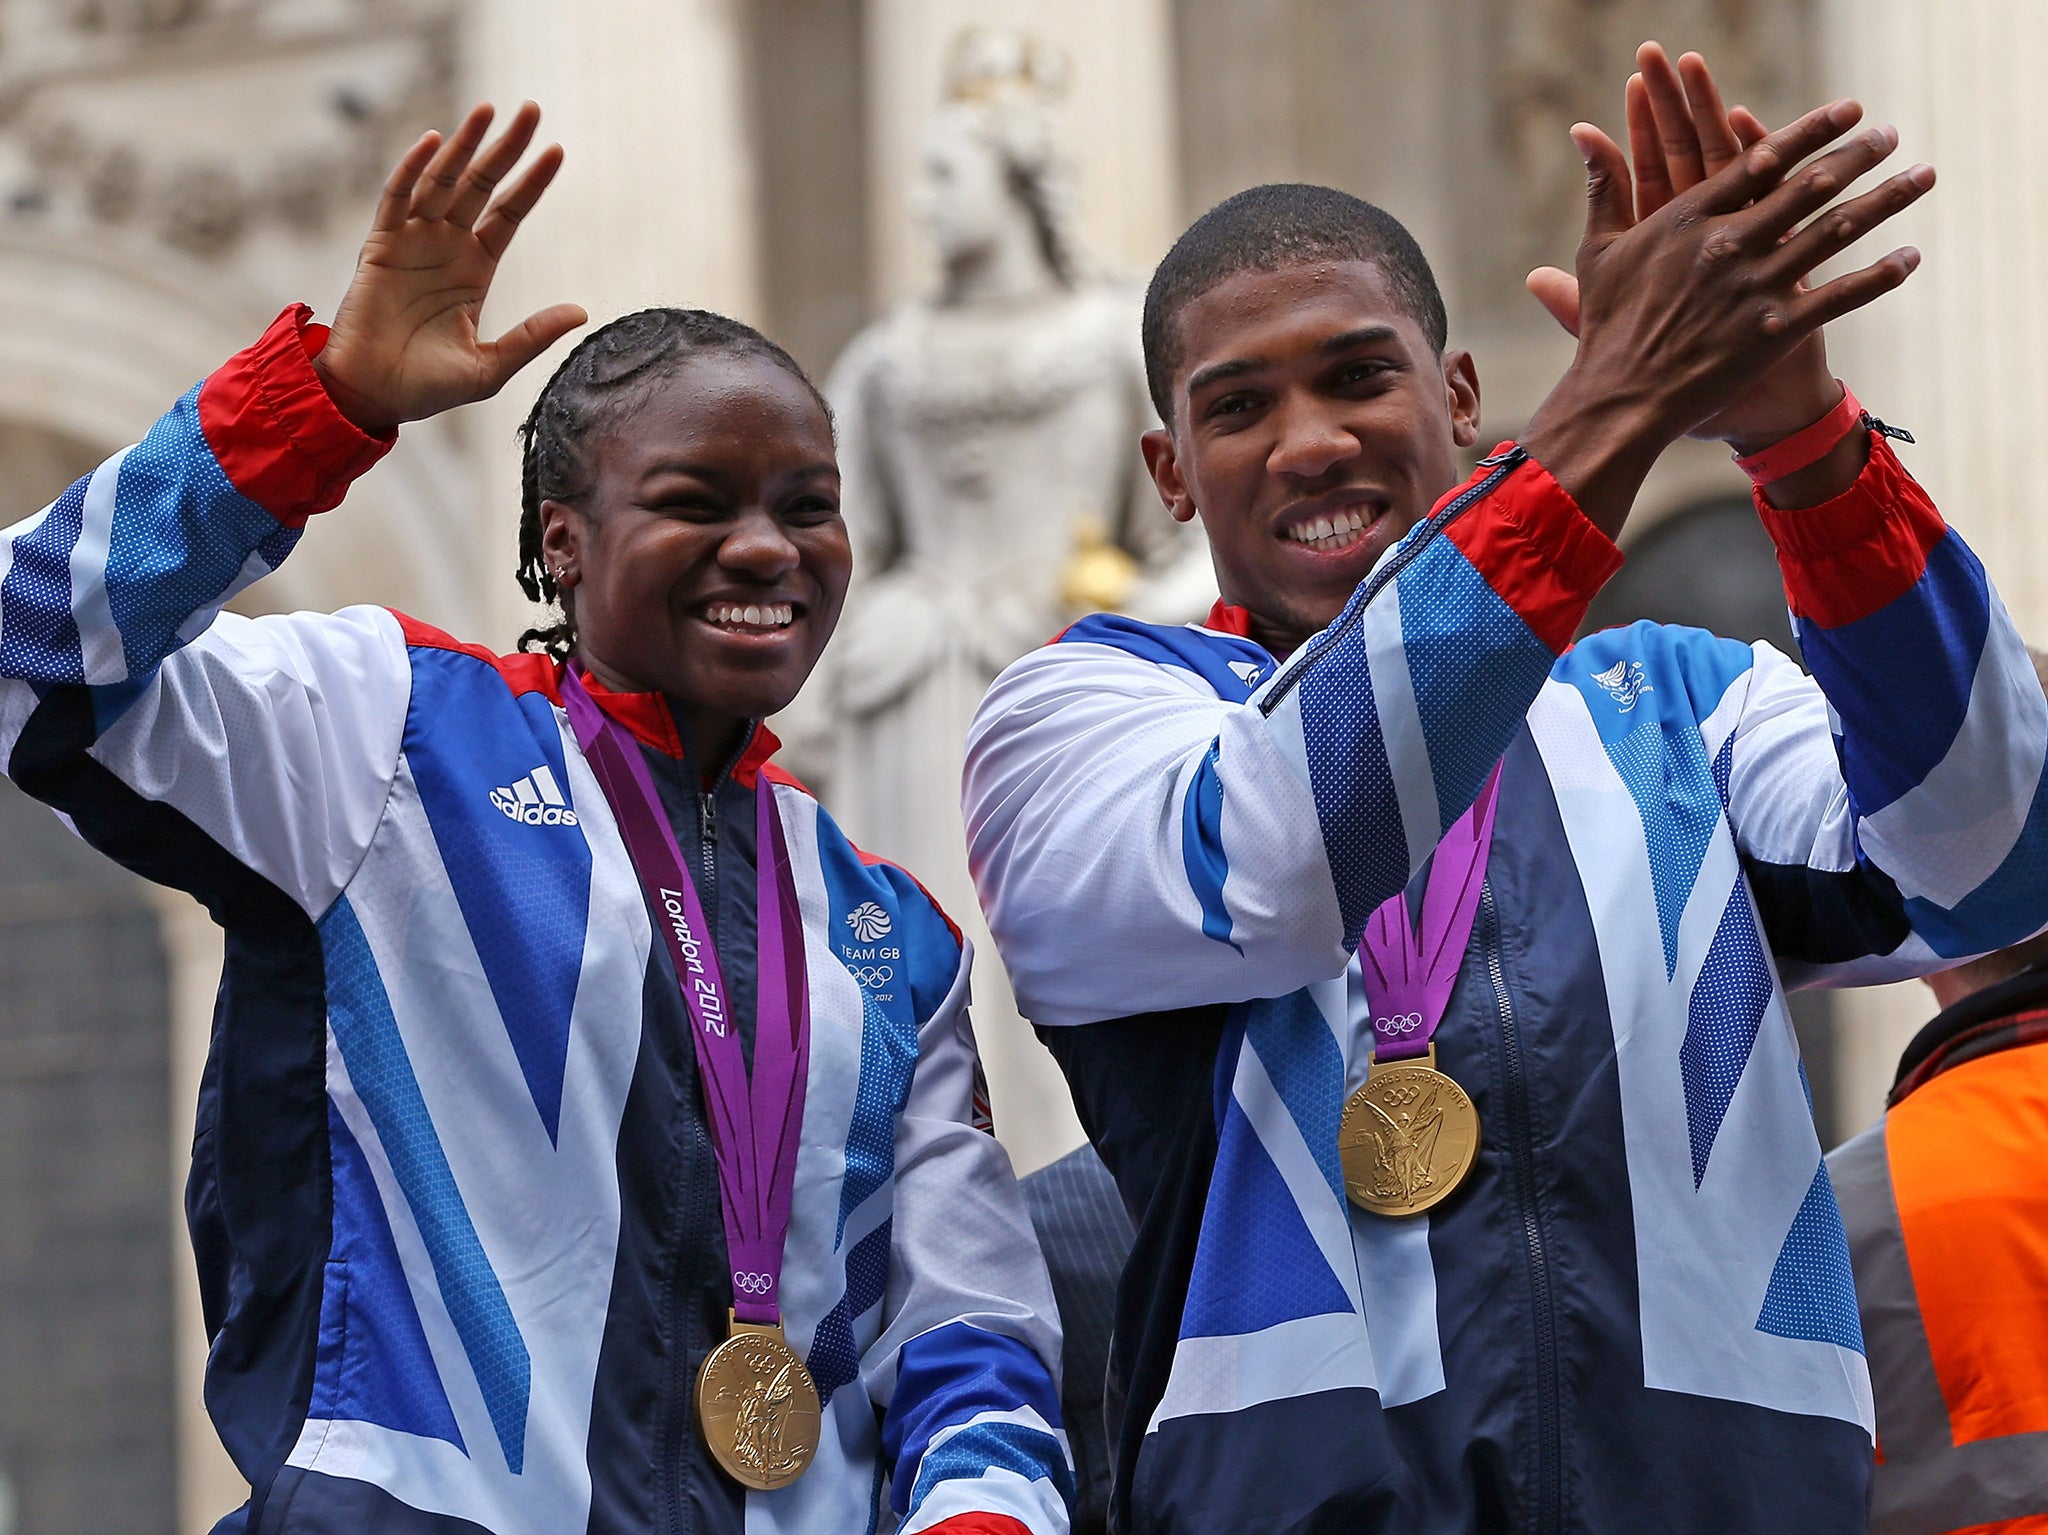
653, 724
1225, 619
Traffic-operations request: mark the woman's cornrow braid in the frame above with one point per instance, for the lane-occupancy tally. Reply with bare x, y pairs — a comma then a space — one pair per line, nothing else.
590, 392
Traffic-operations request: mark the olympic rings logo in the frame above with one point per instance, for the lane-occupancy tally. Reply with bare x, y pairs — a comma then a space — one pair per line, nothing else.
1407, 1023
871, 976
751, 1284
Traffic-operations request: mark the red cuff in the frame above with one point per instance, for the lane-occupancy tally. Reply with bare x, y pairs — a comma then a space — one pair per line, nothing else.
979, 1524
1847, 558
275, 431
1536, 549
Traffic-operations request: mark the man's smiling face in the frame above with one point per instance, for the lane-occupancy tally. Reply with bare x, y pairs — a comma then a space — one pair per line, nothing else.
1313, 425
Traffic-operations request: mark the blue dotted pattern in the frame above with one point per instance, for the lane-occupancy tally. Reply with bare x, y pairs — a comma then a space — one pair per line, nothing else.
983, 1447
524, 891
1667, 776
38, 635
181, 534
871, 1137
1256, 1264
1721, 1020
1812, 1294
949, 1376
1357, 809
1901, 678
359, 1012
1299, 1053
1470, 657
373, 1363
835, 1356
1724, 767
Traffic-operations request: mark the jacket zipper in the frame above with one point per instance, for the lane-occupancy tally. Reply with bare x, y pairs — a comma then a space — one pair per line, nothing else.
1521, 1152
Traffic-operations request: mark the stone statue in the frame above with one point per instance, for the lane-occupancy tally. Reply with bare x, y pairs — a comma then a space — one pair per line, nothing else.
994, 490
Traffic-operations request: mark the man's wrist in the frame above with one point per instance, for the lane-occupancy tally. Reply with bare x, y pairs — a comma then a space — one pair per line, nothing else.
1599, 442
358, 408
1809, 409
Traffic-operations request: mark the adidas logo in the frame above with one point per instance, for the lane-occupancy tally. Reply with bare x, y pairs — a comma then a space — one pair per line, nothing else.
534, 800
1247, 672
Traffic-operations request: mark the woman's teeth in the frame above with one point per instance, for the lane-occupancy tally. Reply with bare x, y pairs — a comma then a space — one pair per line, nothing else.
766, 615
1327, 533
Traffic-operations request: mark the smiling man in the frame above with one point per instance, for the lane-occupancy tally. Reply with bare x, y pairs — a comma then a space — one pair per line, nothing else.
1420, 975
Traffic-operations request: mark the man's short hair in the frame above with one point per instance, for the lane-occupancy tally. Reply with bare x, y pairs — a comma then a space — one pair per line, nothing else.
1270, 227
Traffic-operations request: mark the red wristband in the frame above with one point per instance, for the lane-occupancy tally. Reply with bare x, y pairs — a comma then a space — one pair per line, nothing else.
1805, 447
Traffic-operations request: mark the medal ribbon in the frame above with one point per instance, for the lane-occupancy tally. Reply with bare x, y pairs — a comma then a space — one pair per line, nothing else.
753, 1125
1409, 972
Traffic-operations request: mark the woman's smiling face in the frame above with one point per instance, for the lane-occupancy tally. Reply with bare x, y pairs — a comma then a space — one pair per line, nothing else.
707, 560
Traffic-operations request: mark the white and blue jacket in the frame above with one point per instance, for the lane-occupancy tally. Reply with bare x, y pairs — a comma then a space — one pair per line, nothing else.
1639, 1313
452, 1194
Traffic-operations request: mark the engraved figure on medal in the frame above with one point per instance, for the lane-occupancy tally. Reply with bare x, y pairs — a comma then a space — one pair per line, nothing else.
1408, 1138
759, 1409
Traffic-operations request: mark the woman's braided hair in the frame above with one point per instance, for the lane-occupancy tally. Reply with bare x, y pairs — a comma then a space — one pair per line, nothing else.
599, 384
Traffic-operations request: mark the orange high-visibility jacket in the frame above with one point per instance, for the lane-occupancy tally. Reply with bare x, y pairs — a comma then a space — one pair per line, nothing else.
1946, 1205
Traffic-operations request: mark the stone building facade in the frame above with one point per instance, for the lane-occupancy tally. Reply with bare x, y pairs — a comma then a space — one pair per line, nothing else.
173, 171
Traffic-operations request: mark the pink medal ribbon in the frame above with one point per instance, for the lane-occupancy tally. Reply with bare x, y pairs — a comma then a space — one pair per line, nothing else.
1409, 973
754, 1127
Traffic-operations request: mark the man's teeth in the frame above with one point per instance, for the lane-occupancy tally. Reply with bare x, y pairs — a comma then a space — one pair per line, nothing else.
1330, 532
766, 615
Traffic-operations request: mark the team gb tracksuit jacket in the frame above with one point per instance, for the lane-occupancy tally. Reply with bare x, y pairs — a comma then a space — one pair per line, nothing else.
1638, 1315
452, 1193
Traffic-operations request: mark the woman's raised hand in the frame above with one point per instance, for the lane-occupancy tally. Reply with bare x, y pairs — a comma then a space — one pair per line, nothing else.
405, 343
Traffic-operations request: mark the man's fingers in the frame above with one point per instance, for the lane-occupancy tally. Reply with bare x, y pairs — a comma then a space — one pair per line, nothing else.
1718, 141
1558, 292
1841, 226
443, 175
1609, 196
395, 201
1812, 188
501, 221
527, 340
1829, 302
493, 166
1675, 129
1645, 150
1764, 164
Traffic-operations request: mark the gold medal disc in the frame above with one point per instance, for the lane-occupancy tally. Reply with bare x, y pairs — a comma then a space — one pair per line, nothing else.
1408, 1138
758, 1408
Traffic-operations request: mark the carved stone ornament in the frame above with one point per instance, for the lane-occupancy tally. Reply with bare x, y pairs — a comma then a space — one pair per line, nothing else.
161, 117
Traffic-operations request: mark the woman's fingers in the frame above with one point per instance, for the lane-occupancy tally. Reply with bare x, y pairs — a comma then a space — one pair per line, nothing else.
443, 176
1558, 292
1843, 225
394, 203
527, 340
500, 222
1749, 128
492, 166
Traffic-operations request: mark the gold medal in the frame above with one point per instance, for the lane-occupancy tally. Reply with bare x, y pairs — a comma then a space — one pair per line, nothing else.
1408, 1138
758, 1408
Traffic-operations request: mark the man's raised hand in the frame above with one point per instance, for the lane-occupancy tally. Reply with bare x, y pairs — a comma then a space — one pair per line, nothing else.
1682, 313
405, 343
1680, 134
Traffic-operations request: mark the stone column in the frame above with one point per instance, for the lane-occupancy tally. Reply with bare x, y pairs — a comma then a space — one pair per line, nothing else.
1117, 120
1959, 356
655, 203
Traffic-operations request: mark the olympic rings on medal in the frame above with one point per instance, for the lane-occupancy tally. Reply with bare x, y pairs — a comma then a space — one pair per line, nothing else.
751, 1284
1407, 1023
